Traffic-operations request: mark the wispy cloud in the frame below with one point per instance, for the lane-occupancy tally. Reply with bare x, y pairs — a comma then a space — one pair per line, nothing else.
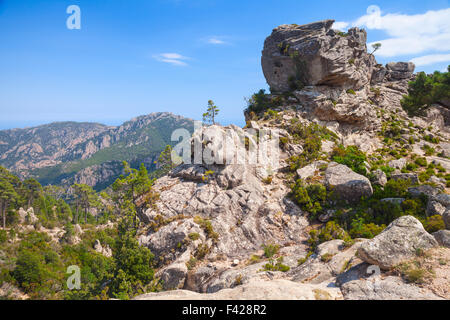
216, 40
408, 34
430, 59
172, 58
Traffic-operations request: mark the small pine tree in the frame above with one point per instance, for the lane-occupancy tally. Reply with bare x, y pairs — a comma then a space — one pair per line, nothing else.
210, 115
375, 47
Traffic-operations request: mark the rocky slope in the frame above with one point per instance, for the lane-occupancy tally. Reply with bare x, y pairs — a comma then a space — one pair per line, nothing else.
89, 153
212, 220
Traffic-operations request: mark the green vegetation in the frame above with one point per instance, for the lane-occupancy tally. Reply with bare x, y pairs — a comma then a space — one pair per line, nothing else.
310, 137
270, 250
276, 265
261, 101
426, 90
209, 116
375, 47
311, 198
331, 231
352, 157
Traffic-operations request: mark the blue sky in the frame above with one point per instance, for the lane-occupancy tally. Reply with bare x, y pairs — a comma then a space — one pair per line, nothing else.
134, 57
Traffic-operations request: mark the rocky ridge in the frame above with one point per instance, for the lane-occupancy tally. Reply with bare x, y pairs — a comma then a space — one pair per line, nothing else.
212, 220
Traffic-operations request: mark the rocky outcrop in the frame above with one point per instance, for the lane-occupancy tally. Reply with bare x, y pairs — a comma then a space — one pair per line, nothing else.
314, 55
257, 290
104, 250
230, 201
399, 242
379, 178
390, 288
443, 237
27, 216
347, 184
446, 217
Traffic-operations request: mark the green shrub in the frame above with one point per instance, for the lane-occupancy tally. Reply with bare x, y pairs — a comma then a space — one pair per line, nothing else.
331, 231
310, 198
434, 223
352, 157
276, 265
421, 162
194, 236
270, 250
361, 230
261, 101
351, 91
3, 236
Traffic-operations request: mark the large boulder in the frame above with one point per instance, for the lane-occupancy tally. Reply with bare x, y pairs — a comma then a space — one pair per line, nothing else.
446, 217
443, 237
398, 243
347, 184
400, 70
390, 288
255, 290
315, 54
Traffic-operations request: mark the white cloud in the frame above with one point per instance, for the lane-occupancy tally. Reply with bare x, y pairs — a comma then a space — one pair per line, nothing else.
408, 34
430, 59
340, 25
172, 58
215, 41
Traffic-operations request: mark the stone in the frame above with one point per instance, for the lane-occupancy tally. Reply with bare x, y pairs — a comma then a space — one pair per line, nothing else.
173, 277
440, 183
310, 170
235, 263
426, 190
412, 177
398, 164
443, 199
397, 243
325, 217
104, 250
434, 208
400, 70
390, 288
346, 183
393, 200
27, 216
330, 247
443, 237
446, 217
379, 177
256, 290
315, 54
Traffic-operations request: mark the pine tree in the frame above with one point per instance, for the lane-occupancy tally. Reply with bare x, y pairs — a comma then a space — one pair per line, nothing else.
210, 115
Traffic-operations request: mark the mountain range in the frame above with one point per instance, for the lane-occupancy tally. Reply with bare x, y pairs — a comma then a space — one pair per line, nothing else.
89, 153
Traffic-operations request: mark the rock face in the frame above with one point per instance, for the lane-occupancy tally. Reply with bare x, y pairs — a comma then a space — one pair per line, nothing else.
346, 183
314, 55
391, 288
446, 217
239, 207
256, 290
27, 216
397, 243
380, 178
443, 238
104, 250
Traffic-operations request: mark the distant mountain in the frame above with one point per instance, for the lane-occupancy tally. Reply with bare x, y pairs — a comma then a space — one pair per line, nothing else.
90, 153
